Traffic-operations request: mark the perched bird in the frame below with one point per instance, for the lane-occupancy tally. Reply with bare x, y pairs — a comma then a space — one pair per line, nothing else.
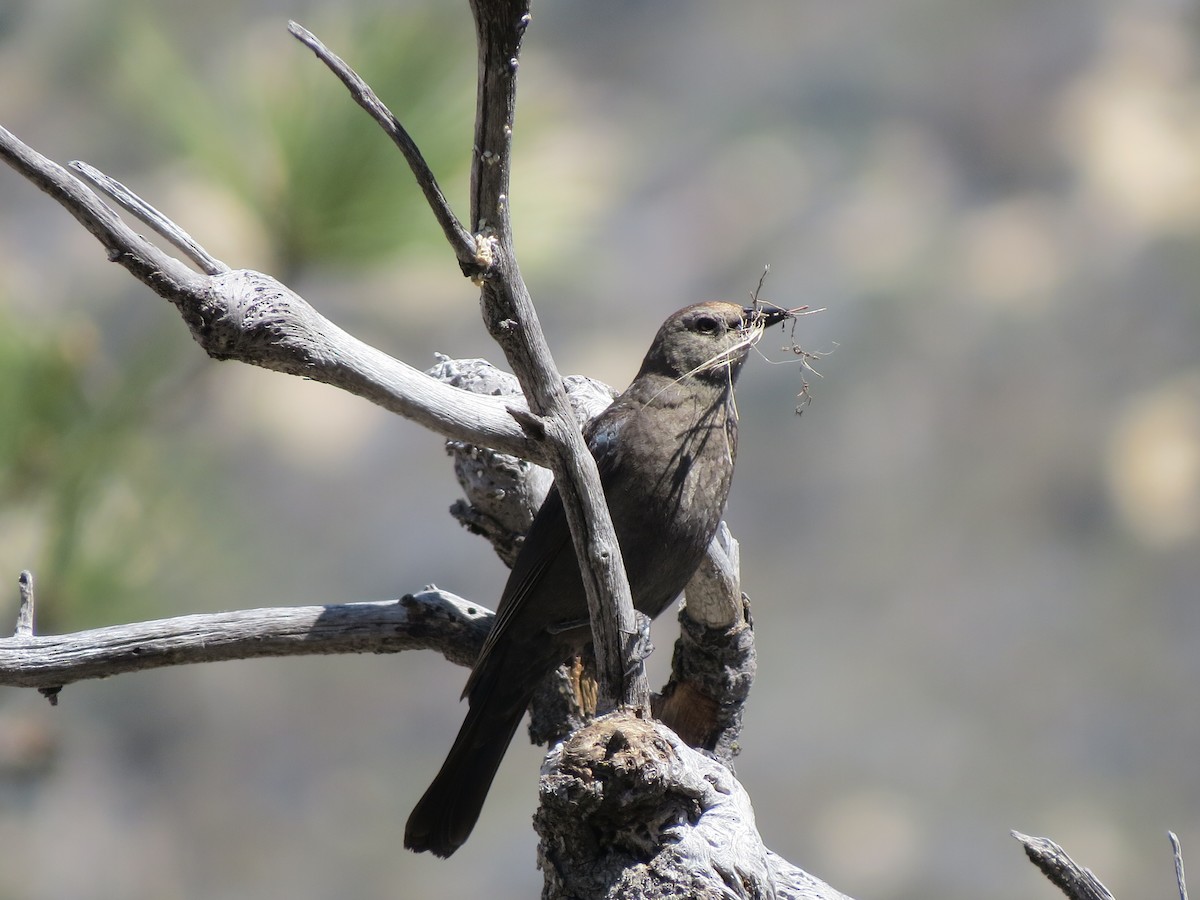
665, 450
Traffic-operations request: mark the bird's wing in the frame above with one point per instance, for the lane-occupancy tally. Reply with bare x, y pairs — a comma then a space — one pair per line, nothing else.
547, 538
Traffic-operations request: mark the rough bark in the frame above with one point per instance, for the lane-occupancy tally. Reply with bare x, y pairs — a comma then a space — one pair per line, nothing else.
630, 811
427, 620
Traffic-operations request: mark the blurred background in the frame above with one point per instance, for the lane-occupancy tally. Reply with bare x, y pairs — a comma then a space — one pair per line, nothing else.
973, 559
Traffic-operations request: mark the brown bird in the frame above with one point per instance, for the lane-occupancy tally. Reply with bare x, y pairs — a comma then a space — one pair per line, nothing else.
665, 450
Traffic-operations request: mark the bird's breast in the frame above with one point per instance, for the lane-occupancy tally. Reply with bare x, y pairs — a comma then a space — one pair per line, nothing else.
667, 480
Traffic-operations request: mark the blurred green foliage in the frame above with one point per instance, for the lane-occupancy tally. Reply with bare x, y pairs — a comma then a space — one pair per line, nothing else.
84, 469
276, 127
69, 447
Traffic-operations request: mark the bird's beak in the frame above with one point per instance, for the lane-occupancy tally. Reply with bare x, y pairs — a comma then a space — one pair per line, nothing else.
768, 317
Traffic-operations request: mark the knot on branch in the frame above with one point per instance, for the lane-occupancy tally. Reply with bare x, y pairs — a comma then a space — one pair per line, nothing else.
486, 250
627, 810
503, 492
252, 317
615, 775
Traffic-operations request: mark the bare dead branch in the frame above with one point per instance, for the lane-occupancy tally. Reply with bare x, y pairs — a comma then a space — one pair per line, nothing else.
250, 317
714, 595
25, 612
1064, 873
1177, 852
503, 492
459, 238
166, 276
143, 211
430, 619
511, 319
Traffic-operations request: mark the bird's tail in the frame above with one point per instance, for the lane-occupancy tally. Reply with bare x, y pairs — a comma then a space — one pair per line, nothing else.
445, 815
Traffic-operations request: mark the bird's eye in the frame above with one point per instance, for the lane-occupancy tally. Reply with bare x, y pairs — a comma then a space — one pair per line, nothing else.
706, 324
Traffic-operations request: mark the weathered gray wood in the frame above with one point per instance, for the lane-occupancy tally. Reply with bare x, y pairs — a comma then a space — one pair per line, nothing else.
630, 811
430, 619
503, 492
1177, 852
251, 317
511, 320
1067, 875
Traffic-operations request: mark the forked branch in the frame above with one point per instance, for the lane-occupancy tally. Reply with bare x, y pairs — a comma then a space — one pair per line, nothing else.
460, 240
511, 319
251, 317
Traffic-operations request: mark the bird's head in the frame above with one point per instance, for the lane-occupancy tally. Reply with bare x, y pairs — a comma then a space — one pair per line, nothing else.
707, 341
